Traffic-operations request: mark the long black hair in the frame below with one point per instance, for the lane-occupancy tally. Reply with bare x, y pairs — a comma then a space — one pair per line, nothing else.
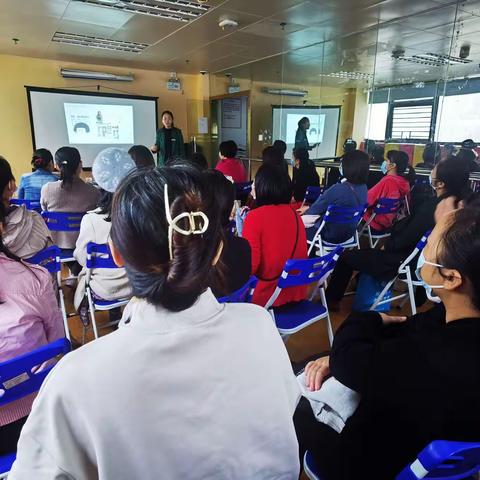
401, 161
67, 159
140, 233
454, 173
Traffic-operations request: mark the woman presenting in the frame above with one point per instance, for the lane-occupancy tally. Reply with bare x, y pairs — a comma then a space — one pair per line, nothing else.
301, 140
169, 142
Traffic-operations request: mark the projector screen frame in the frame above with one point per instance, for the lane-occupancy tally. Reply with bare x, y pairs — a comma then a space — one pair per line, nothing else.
314, 107
68, 91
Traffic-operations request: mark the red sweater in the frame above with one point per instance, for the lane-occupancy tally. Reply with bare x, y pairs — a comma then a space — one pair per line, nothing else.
234, 168
271, 231
390, 186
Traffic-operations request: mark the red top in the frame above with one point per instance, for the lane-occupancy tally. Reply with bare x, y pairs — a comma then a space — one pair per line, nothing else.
390, 186
271, 231
234, 168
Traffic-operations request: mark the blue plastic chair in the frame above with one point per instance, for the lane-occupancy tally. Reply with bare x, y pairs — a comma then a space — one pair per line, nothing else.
384, 206
404, 274
242, 190
312, 194
49, 258
291, 318
336, 215
19, 377
444, 460
64, 222
440, 460
243, 294
99, 256
29, 204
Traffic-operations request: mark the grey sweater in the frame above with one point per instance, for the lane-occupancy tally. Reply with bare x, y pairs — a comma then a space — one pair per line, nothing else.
78, 197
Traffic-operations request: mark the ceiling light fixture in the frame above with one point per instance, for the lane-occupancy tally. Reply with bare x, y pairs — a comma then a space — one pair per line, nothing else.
98, 42
285, 92
433, 59
178, 10
348, 75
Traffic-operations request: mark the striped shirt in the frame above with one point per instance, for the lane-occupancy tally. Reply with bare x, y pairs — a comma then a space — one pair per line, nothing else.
31, 184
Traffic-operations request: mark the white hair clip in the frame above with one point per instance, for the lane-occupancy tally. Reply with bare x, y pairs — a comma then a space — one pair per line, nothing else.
172, 223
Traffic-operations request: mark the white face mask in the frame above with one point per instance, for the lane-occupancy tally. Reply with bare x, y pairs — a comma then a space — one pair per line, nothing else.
431, 181
428, 288
340, 169
252, 192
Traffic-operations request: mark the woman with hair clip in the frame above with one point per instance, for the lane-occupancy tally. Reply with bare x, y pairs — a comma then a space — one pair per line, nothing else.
29, 318
24, 231
169, 141
42, 172
398, 176
417, 378
184, 380
70, 194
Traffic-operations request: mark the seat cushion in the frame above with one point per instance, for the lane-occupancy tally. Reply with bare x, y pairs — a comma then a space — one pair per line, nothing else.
292, 317
6, 462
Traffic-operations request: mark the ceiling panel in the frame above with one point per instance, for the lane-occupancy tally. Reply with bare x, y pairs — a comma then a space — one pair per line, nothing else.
105, 17
145, 29
262, 8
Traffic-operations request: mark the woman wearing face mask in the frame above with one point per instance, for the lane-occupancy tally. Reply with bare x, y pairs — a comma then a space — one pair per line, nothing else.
169, 141
449, 179
395, 184
418, 378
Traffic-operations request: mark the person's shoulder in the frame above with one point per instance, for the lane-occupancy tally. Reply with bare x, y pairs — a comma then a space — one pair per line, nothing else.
26, 176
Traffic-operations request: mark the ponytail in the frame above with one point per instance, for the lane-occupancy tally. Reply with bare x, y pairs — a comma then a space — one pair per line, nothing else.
401, 160
41, 159
67, 159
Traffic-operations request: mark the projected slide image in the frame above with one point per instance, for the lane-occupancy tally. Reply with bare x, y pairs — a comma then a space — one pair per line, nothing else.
99, 124
314, 134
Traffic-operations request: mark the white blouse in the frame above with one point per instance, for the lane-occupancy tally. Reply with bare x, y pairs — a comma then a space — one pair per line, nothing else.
207, 393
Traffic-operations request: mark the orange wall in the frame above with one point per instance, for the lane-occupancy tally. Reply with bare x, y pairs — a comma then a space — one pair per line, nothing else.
15, 134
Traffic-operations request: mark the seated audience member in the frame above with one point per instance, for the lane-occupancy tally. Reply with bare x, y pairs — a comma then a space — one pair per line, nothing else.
469, 156
377, 155
395, 184
142, 156
199, 161
42, 172
275, 233
334, 175
349, 145
193, 360
449, 179
70, 194
235, 265
273, 156
24, 231
30, 318
350, 192
431, 156
414, 375
106, 283
229, 165
369, 146
281, 146
304, 174
449, 149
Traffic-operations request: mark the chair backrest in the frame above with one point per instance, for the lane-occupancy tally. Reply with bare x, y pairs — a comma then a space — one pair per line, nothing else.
312, 194
243, 294
99, 256
442, 459
19, 377
242, 189
418, 248
29, 204
304, 272
63, 221
344, 215
48, 258
387, 205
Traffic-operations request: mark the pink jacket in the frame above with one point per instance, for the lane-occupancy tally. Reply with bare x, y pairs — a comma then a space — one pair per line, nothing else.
232, 167
29, 318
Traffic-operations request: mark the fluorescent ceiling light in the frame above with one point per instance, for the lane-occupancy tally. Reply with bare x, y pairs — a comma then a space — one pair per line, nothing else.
178, 10
285, 92
348, 75
98, 42
434, 59
89, 75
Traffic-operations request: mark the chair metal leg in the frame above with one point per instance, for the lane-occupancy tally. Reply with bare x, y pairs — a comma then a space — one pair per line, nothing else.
64, 312
383, 293
91, 309
329, 323
411, 292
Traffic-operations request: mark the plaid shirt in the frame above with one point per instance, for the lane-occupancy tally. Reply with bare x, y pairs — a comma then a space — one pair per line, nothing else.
31, 184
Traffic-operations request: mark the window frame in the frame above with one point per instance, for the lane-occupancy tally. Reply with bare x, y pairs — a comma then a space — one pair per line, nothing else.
433, 102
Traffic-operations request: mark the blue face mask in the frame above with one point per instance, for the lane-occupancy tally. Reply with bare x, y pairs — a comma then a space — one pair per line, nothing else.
340, 169
384, 167
428, 288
